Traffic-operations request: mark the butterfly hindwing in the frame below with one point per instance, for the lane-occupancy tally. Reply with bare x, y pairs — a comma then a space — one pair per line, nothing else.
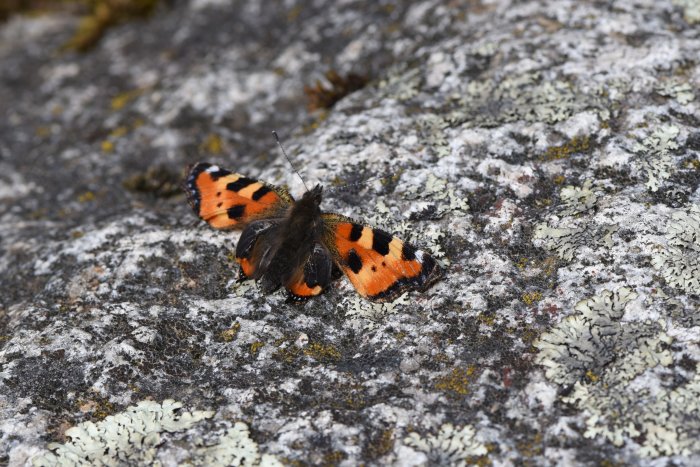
229, 200
379, 265
314, 277
253, 247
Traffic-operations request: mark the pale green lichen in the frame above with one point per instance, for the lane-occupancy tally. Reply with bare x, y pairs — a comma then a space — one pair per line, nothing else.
655, 150
451, 446
442, 193
526, 97
235, 447
679, 260
130, 437
567, 242
679, 90
612, 366
365, 315
577, 200
691, 10
583, 341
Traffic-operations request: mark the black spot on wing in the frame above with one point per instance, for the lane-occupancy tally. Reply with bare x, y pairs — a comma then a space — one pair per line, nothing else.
430, 273
380, 241
239, 184
408, 253
356, 232
236, 211
260, 192
354, 262
217, 174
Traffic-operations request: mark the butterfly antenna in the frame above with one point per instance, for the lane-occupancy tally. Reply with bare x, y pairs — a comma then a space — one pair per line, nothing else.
289, 160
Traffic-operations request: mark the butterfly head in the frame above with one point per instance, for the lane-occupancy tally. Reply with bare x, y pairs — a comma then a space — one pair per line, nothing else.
314, 195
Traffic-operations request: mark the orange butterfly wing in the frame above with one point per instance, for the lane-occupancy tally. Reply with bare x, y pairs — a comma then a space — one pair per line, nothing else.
229, 200
379, 265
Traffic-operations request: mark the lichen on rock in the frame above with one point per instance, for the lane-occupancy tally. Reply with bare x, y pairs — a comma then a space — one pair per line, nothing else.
450, 446
130, 437
679, 260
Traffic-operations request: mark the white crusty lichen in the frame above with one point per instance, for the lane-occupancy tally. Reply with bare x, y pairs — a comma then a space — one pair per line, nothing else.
364, 314
614, 369
130, 437
655, 150
679, 260
585, 340
234, 447
451, 446
578, 200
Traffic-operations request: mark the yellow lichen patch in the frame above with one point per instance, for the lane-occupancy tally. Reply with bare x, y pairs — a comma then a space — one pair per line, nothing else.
228, 335
212, 144
118, 132
522, 262
573, 146
457, 381
532, 297
86, 197
559, 179
76, 234
97, 407
43, 131
322, 352
532, 447
381, 445
592, 377
255, 347
119, 101
333, 458
107, 146
693, 164
487, 319
103, 15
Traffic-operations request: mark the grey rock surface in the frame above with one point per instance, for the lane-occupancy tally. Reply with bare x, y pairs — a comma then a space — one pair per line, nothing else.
546, 152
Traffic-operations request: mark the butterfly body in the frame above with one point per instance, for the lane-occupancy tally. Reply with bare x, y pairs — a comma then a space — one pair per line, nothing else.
293, 244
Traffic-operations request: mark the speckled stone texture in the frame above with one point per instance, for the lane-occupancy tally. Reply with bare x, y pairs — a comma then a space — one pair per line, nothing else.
547, 153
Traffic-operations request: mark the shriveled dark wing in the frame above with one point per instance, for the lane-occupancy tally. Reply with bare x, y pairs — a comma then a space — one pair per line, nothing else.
314, 277
256, 245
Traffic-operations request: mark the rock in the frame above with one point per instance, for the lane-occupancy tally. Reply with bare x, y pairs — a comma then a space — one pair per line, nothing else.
545, 153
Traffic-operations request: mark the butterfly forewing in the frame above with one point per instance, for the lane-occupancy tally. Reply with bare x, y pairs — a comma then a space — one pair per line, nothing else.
229, 200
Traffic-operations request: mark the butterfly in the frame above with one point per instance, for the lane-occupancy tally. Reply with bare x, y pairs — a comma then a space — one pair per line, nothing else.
293, 244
